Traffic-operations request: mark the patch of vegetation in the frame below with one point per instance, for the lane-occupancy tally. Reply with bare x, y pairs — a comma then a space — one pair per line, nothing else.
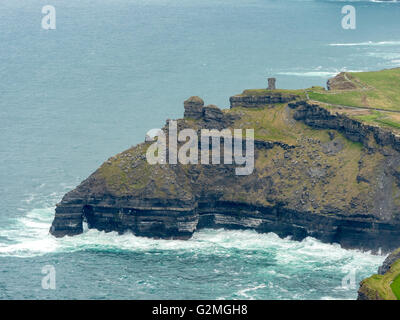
377, 89
386, 81
289, 170
348, 98
396, 287
386, 287
283, 92
120, 176
389, 123
268, 123
379, 118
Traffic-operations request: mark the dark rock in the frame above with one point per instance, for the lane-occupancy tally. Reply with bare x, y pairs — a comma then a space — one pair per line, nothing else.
193, 107
395, 255
257, 101
333, 147
212, 113
318, 117
341, 82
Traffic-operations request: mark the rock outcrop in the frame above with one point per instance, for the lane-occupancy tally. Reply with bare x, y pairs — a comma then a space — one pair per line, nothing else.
390, 259
194, 107
261, 100
340, 82
209, 116
319, 117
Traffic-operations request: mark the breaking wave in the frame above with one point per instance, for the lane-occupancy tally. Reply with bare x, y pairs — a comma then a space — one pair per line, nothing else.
321, 74
366, 43
263, 265
376, 1
318, 73
29, 237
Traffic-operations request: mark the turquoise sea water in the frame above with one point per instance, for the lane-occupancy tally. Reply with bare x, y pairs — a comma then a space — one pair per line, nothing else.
72, 97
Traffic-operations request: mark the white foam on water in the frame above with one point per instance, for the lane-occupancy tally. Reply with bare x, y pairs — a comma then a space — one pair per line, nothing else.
317, 73
376, 1
245, 292
385, 1
385, 55
366, 43
286, 260
30, 237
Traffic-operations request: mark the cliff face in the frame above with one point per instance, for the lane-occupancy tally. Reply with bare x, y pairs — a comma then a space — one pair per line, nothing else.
316, 174
318, 117
253, 99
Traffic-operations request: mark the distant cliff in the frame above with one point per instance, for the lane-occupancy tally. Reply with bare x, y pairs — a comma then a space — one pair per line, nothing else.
320, 170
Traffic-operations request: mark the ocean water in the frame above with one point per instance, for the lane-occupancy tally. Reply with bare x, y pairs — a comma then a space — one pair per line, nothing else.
113, 69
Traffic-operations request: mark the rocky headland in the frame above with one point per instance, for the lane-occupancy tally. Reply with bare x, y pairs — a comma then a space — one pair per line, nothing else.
322, 169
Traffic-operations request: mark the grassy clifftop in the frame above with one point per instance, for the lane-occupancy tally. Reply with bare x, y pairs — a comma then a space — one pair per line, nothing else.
284, 92
376, 89
384, 286
371, 97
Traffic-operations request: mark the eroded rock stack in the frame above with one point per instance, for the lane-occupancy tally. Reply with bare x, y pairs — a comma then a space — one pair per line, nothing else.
194, 108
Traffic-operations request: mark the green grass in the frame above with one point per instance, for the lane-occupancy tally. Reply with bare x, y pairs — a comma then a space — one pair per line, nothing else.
396, 287
389, 123
377, 89
120, 177
375, 92
262, 92
386, 287
348, 98
268, 124
385, 81
380, 118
